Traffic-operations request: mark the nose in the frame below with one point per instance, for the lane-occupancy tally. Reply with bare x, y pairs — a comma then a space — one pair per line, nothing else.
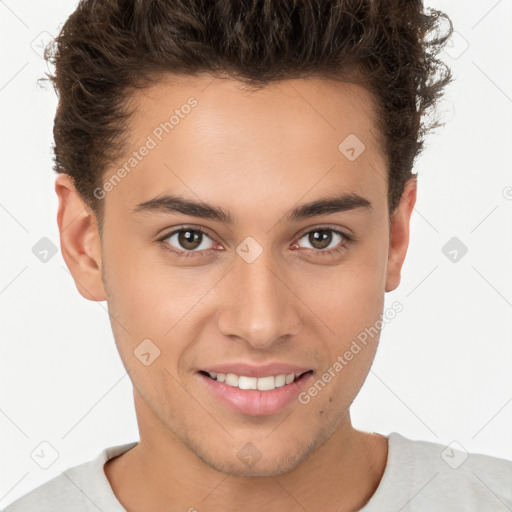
260, 306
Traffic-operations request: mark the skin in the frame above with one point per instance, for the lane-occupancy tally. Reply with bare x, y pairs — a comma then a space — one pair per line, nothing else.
239, 150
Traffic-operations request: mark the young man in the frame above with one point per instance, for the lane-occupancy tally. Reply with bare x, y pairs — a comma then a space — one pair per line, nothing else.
235, 181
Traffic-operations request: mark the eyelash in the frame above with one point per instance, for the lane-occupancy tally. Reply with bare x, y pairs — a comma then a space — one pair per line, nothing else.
341, 247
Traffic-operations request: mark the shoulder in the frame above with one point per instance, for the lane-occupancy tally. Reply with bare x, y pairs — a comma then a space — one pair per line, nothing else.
58, 490
82, 488
450, 476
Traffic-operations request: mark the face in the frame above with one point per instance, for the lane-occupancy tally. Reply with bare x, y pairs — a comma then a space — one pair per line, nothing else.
250, 281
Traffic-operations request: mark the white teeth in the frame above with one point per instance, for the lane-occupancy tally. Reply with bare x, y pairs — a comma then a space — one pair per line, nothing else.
232, 380
266, 383
280, 381
247, 382
261, 383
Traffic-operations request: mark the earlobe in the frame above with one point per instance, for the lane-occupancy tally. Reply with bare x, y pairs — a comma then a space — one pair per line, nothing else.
79, 240
399, 234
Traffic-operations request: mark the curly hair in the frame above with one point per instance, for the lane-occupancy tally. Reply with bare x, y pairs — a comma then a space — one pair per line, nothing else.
107, 49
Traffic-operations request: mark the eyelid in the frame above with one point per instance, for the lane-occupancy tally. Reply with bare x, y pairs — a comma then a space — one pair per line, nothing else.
184, 227
335, 229
327, 227
300, 234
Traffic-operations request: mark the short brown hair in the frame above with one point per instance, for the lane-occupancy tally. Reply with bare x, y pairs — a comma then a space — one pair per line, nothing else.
107, 48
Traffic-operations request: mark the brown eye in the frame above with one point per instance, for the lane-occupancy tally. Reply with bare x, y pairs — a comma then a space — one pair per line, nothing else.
187, 239
321, 239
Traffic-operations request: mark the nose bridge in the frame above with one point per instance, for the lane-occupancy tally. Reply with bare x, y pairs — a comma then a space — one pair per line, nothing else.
260, 308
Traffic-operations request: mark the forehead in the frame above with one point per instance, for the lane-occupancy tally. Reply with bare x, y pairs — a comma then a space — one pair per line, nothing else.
216, 136
304, 106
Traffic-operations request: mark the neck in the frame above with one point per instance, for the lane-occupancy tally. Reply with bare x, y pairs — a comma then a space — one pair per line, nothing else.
161, 473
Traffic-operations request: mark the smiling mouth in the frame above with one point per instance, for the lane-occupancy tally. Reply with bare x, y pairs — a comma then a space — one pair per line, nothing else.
266, 383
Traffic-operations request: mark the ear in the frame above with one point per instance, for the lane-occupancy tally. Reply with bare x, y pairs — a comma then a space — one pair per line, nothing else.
399, 234
79, 240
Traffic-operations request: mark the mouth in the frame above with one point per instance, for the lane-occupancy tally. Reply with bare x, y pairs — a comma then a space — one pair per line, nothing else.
255, 396
266, 383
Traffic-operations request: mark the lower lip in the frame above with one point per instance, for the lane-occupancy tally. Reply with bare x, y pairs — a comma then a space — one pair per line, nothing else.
254, 402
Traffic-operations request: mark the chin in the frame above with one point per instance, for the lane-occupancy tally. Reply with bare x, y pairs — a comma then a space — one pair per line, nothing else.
269, 467
250, 461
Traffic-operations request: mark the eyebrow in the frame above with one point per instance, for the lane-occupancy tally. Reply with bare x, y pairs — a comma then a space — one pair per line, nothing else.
166, 203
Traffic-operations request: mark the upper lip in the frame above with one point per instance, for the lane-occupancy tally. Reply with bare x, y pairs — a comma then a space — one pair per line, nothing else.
250, 370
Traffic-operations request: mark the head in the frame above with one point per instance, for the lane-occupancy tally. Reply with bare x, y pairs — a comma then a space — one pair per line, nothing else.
280, 138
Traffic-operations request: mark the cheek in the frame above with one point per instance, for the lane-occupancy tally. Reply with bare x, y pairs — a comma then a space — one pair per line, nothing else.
155, 301
148, 293
151, 296
348, 297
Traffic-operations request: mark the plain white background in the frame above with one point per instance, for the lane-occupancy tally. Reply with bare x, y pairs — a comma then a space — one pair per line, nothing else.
442, 372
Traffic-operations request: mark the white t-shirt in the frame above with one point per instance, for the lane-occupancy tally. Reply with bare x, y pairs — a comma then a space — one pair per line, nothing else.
420, 476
